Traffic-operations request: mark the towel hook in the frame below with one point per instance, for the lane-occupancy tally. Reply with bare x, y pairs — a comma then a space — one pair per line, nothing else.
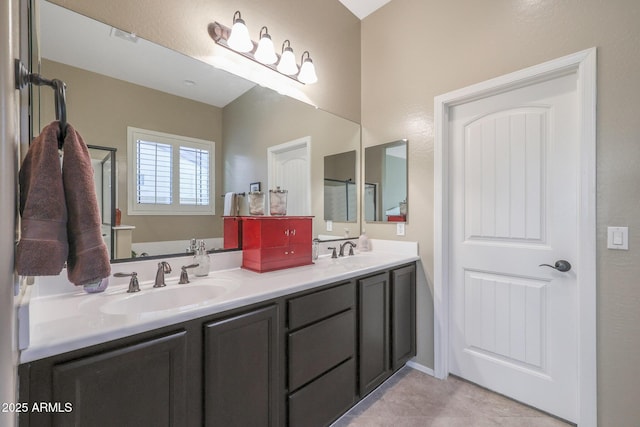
23, 77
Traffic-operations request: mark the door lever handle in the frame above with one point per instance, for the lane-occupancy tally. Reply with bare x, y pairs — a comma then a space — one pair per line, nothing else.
560, 265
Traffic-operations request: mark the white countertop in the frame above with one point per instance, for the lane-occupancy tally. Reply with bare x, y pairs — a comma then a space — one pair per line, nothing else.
70, 321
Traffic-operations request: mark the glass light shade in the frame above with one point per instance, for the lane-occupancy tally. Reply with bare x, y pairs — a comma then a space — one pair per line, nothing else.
287, 64
239, 39
308, 72
265, 52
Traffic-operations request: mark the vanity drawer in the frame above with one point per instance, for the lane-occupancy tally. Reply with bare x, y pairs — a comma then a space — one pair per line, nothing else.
324, 400
318, 305
319, 347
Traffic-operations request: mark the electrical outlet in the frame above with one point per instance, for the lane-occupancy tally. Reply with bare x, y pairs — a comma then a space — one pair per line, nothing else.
329, 225
400, 229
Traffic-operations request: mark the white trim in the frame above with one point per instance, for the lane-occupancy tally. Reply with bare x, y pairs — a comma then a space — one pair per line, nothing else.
304, 142
421, 368
584, 65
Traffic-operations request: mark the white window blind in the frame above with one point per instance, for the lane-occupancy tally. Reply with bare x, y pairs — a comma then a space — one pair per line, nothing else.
171, 174
194, 176
154, 166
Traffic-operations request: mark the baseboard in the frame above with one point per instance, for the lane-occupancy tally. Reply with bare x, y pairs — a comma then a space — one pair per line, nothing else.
421, 368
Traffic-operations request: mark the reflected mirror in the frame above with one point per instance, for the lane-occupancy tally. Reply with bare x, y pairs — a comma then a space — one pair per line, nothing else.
117, 81
340, 190
385, 186
104, 177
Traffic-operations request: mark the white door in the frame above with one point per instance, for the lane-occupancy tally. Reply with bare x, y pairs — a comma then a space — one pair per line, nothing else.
289, 169
514, 197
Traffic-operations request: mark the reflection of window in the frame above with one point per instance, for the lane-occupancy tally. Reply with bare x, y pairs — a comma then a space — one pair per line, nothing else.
172, 175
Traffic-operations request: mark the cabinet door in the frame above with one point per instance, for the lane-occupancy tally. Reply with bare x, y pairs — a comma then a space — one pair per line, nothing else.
241, 370
275, 232
300, 231
138, 385
403, 315
373, 360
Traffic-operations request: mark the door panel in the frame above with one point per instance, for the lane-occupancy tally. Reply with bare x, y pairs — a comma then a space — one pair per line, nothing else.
514, 175
289, 169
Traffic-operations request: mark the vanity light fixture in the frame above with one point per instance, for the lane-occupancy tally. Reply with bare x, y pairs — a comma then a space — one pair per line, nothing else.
287, 64
307, 73
265, 53
237, 39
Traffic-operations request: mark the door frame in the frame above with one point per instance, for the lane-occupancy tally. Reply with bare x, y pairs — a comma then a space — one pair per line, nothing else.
583, 64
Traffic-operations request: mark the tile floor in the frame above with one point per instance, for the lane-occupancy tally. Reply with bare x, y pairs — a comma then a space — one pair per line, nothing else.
414, 399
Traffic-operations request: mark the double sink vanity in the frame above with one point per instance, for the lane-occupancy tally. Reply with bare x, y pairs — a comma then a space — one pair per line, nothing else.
295, 347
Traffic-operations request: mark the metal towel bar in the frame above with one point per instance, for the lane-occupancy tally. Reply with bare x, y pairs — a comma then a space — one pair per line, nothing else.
24, 77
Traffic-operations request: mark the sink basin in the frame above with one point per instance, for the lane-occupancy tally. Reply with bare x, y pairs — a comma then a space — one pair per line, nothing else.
170, 298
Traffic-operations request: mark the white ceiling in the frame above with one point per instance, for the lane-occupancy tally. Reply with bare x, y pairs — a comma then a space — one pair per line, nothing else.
73, 39
362, 8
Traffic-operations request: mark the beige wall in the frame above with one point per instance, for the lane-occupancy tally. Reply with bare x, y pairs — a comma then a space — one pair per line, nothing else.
445, 45
101, 108
325, 28
262, 118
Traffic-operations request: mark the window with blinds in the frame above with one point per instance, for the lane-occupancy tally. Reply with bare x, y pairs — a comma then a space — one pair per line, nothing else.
172, 174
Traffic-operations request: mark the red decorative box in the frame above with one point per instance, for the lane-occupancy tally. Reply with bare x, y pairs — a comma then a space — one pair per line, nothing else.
232, 232
396, 218
276, 242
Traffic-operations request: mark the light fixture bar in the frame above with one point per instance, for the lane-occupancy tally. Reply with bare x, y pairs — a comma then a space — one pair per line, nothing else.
220, 34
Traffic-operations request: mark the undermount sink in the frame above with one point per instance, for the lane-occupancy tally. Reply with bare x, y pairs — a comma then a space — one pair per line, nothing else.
170, 298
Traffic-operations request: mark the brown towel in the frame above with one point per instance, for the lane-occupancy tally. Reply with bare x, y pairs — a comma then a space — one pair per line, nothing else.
88, 256
43, 247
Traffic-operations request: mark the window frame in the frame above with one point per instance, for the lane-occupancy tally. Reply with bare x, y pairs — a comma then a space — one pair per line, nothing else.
175, 141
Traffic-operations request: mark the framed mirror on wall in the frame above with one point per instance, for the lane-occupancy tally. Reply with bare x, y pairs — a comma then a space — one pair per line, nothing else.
243, 120
386, 181
340, 187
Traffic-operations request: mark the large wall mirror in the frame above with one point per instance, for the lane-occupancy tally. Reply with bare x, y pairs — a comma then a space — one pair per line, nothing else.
340, 187
385, 186
117, 81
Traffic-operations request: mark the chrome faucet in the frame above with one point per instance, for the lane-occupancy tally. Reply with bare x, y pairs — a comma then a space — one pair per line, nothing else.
184, 277
351, 246
163, 268
333, 252
133, 283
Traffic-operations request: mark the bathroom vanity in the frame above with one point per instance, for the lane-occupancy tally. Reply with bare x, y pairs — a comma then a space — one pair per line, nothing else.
295, 347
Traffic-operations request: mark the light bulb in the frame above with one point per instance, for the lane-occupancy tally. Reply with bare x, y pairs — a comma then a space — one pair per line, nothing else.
307, 70
265, 52
287, 64
239, 39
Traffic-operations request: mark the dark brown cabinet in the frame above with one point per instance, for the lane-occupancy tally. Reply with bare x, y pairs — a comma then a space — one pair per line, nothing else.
374, 332
140, 384
403, 315
297, 360
386, 305
241, 386
321, 352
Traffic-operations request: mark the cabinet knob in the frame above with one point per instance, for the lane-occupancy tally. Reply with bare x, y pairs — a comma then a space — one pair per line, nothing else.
292, 252
286, 253
293, 232
286, 232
